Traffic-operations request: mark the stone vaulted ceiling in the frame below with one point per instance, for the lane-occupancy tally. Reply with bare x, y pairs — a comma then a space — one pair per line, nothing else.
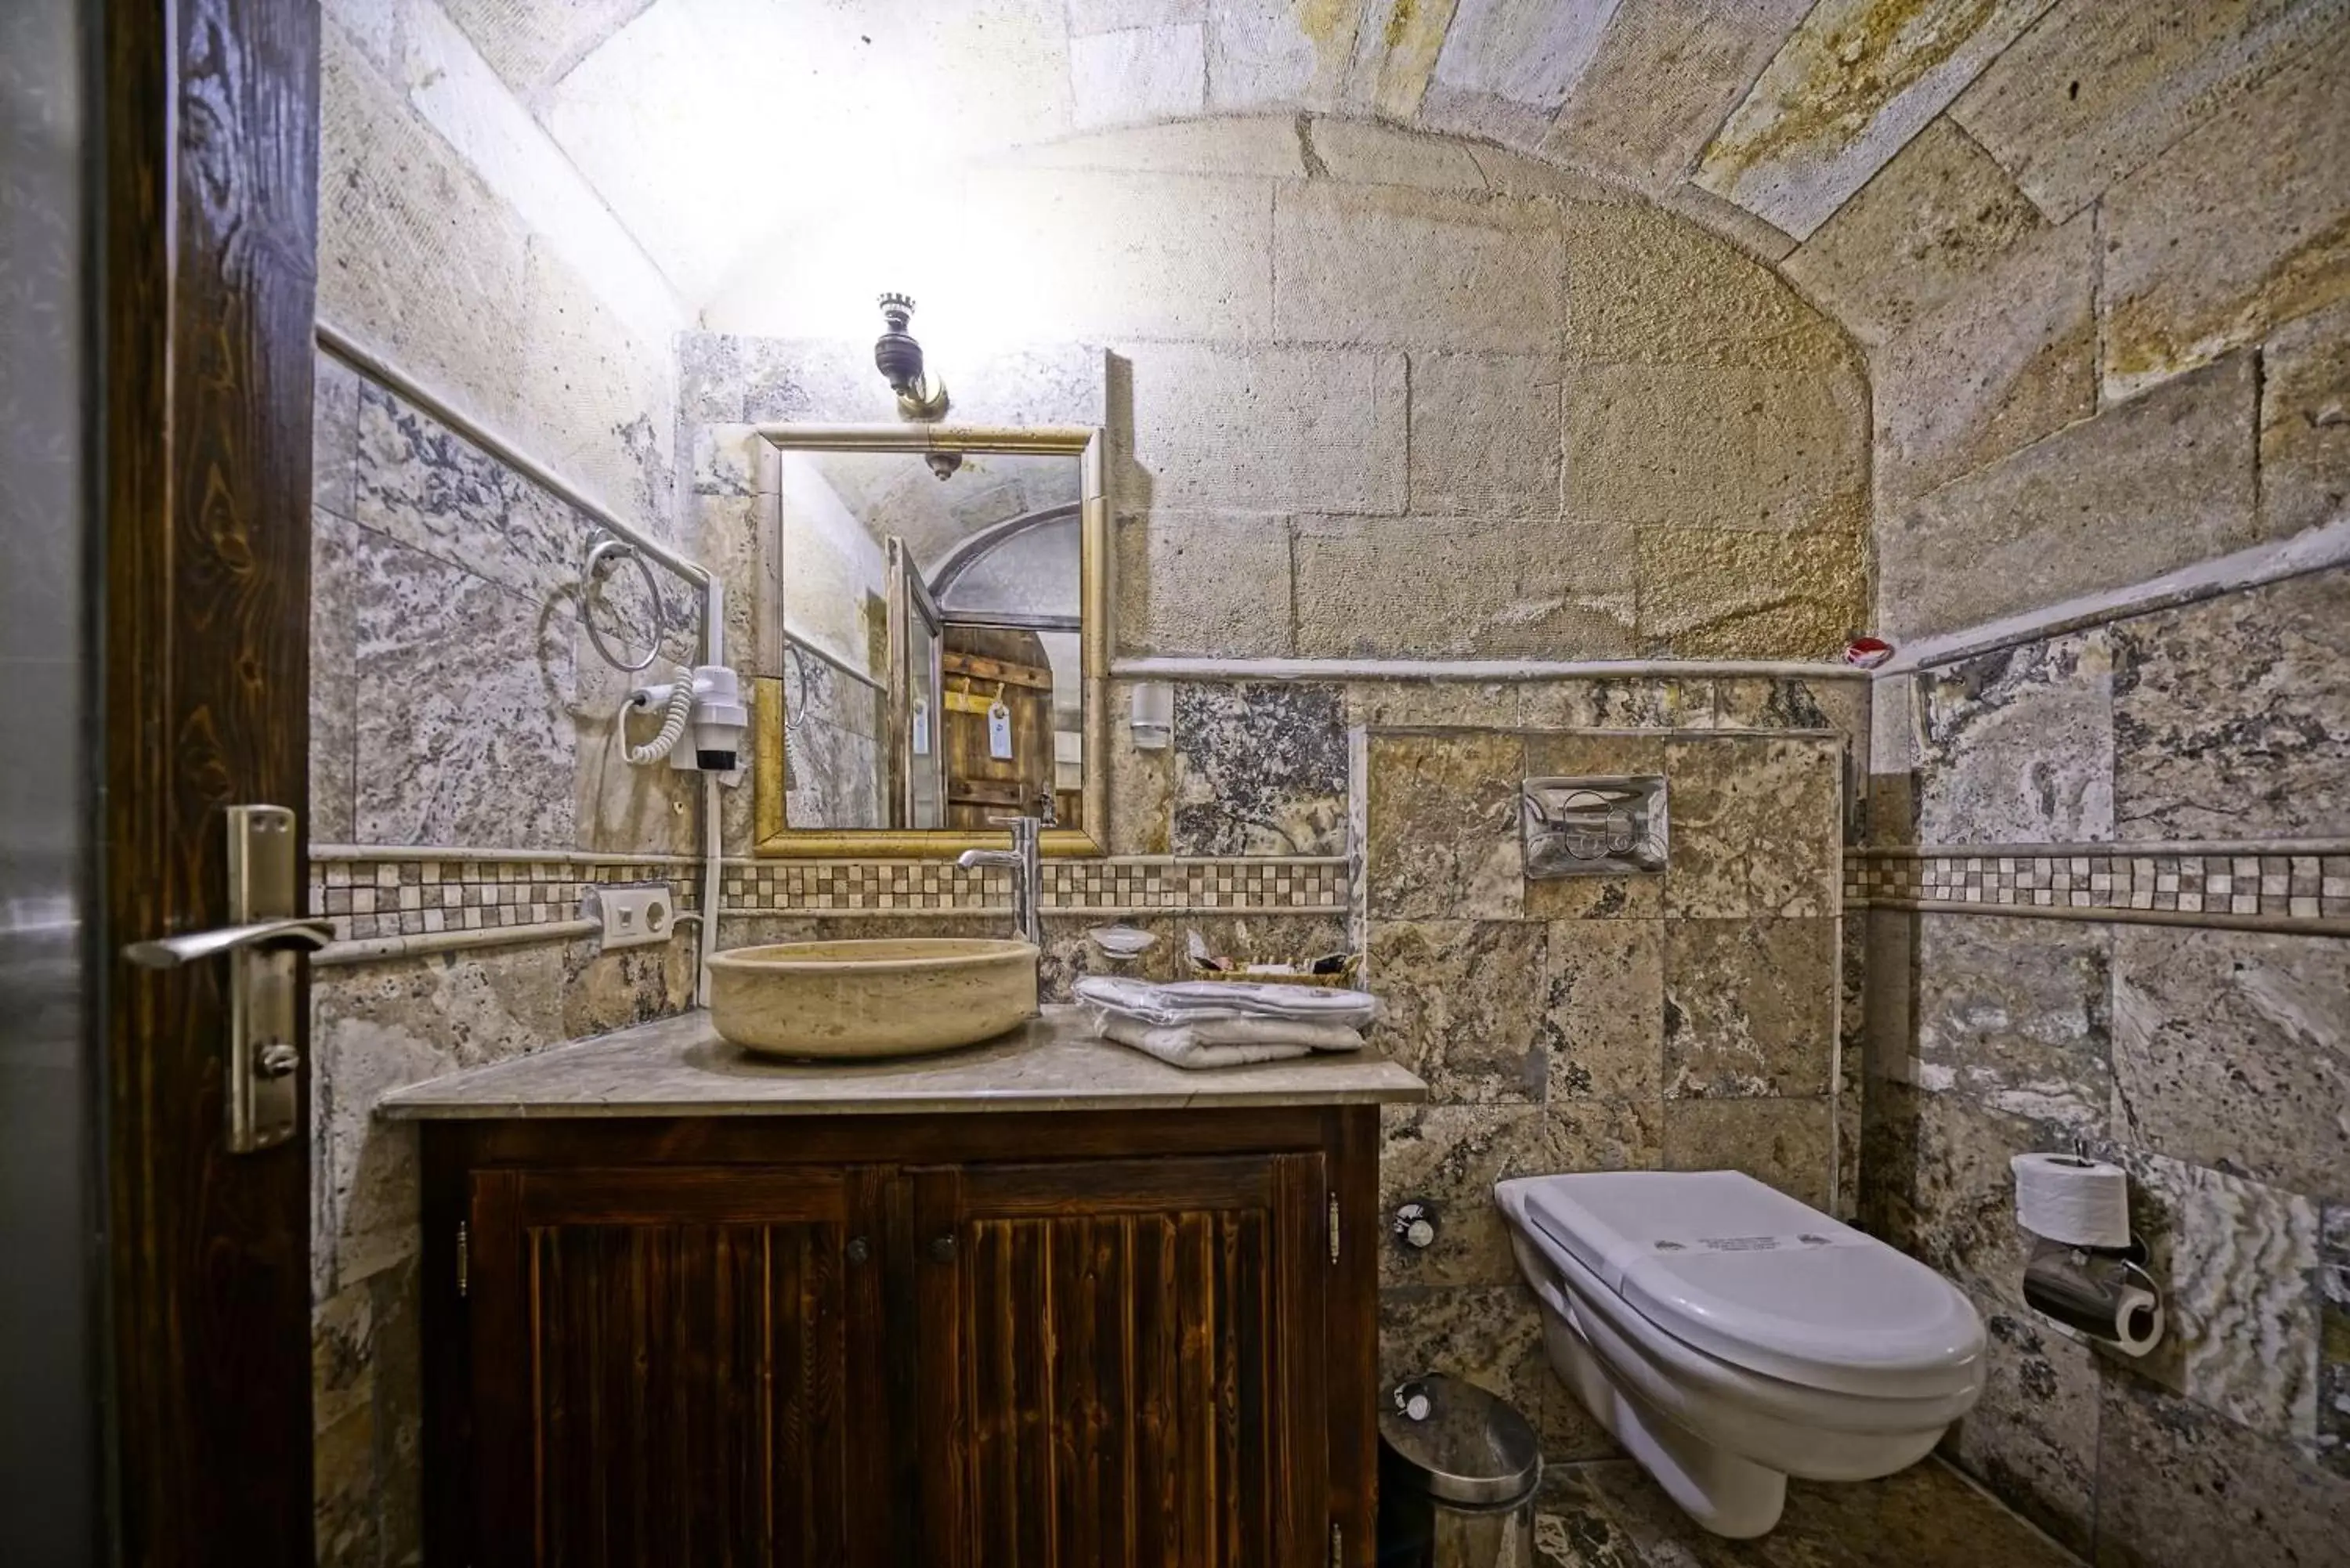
709, 125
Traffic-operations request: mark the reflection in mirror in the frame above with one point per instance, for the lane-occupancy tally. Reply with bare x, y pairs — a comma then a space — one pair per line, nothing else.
931, 626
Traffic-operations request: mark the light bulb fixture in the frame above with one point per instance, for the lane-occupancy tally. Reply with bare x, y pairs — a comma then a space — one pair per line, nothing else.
898, 358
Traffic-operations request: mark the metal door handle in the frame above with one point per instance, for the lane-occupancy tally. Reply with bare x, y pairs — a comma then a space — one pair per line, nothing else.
262, 943
170, 952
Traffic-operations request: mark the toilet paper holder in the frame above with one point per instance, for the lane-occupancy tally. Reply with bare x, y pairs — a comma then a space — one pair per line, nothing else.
2096, 1290
2105, 1293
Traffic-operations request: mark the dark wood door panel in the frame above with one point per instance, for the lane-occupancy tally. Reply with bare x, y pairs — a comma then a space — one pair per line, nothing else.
1127, 1375
209, 194
658, 1387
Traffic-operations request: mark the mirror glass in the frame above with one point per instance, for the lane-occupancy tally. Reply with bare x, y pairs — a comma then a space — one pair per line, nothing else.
932, 637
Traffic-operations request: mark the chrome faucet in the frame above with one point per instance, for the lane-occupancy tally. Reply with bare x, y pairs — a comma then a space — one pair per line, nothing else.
1021, 860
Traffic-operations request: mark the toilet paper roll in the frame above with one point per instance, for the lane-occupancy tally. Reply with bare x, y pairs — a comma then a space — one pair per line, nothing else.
2102, 1297
2081, 1202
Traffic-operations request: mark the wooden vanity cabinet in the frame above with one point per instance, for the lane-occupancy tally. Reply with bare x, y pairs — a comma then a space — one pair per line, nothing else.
961, 1341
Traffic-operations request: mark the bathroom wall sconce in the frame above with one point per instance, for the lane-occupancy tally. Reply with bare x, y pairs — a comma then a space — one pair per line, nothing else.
898, 358
920, 396
1154, 715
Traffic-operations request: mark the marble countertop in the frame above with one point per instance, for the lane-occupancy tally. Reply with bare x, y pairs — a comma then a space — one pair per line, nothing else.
680, 1067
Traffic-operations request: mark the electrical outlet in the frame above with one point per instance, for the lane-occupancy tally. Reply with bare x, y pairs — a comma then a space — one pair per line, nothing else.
632, 914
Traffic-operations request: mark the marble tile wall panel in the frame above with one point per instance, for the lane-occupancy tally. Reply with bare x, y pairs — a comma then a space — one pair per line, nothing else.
1750, 1007
1606, 1007
2231, 717
1442, 828
2181, 1486
1141, 789
334, 677
2237, 1260
334, 434
463, 685
2033, 1437
2018, 745
1464, 1005
1959, 1210
1260, 769
2333, 1339
1446, 1158
2231, 1049
1787, 1142
421, 485
2015, 1015
1756, 827
377, 1027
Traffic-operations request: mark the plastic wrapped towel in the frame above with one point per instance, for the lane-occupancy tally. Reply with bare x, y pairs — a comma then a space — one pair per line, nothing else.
1226, 1043
1202, 1000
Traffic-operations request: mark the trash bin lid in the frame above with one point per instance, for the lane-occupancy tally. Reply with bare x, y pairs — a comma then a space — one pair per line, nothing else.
1456, 1442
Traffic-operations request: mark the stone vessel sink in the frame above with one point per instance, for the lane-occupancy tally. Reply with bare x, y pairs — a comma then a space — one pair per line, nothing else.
893, 997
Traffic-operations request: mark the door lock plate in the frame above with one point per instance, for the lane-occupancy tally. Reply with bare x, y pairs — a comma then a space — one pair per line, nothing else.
264, 1084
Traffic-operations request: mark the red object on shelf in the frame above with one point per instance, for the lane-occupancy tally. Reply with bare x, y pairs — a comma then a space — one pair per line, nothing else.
1867, 652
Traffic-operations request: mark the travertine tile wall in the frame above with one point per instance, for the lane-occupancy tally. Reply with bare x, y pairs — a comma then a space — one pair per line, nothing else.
2092, 250
2209, 1061
455, 702
2113, 349
1689, 1019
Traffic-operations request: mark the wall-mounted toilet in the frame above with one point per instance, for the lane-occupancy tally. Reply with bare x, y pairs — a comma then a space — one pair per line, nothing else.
1731, 1336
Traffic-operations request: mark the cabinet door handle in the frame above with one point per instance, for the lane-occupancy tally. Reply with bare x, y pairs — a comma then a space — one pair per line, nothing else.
858, 1248
942, 1249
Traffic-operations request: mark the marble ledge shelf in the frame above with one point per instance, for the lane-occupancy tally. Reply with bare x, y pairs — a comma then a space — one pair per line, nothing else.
680, 1067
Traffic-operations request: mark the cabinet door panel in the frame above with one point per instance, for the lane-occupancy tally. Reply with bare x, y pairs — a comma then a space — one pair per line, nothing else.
1122, 1365
664, 1367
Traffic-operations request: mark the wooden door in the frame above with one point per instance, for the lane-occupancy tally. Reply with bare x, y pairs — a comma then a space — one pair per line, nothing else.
208, 222
1123, 1363
677, 1366
982, 666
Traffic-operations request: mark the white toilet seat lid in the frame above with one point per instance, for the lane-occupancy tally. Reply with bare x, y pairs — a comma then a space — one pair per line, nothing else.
1738, 1269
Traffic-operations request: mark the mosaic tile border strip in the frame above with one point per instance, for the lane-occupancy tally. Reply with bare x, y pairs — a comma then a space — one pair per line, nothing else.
1316, 885
370, 900
2136, 880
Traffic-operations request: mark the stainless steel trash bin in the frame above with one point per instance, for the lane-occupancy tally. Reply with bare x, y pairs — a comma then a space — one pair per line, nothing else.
1458, 1473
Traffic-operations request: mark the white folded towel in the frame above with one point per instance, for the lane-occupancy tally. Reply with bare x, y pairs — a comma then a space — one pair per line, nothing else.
1198, 1000
1234, 1043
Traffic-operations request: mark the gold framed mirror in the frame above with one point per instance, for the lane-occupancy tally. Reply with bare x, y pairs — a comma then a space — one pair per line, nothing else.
936, 596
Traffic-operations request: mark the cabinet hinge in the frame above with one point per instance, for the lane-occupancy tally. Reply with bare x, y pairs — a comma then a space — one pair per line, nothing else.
1334, 1227
1338, 1546
465, 1258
